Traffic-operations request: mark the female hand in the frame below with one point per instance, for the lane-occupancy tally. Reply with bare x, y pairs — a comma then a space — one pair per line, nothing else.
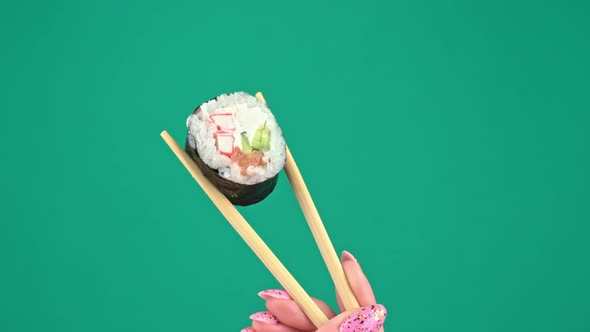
284, 315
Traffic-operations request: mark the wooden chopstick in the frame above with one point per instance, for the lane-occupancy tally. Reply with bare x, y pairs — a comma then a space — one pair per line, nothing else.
318, 230
248, 234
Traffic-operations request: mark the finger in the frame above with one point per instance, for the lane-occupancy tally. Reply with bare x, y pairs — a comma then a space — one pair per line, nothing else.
368, 319
280, 304
357, 280
248, 329
278, 327
290, 314
278, 294
266, 322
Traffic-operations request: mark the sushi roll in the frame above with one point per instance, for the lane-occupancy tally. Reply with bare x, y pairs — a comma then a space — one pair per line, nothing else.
236, 142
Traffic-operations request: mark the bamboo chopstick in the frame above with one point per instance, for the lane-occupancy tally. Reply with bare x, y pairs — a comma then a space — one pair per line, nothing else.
318, 230
248, 234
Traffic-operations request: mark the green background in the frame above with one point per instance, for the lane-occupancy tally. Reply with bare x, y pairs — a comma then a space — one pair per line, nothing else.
446, 144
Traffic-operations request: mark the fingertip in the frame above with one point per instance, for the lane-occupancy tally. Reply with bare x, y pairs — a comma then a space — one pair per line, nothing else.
264, 317
347, 256
278, 294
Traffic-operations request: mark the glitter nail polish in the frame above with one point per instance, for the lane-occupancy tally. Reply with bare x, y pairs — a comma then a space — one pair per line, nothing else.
278, 294
264, 317
367, 319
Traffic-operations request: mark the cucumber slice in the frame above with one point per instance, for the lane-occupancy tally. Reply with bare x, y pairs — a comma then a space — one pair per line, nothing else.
246, 147
265, 139
257, 139
261, 138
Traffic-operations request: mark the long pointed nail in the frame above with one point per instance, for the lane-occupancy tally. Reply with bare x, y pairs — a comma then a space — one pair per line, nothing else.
278, 294
367, 319
346, 256
264, 317
248, 329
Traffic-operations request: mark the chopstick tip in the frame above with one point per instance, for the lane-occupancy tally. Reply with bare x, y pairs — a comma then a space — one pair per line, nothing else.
260, 97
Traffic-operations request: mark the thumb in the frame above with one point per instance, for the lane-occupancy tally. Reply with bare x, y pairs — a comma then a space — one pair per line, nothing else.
366, 319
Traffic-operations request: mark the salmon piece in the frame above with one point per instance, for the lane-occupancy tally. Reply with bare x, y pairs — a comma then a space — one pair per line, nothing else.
254, 158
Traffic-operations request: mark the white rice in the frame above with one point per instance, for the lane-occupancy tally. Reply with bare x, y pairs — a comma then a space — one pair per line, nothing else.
249, 114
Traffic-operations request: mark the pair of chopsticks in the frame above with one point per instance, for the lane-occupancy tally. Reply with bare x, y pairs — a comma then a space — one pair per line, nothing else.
260, 248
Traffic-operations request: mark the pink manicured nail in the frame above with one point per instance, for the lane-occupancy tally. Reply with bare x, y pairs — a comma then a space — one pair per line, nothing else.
248, 329
264, 317
346, 256
278, 294
367, 319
